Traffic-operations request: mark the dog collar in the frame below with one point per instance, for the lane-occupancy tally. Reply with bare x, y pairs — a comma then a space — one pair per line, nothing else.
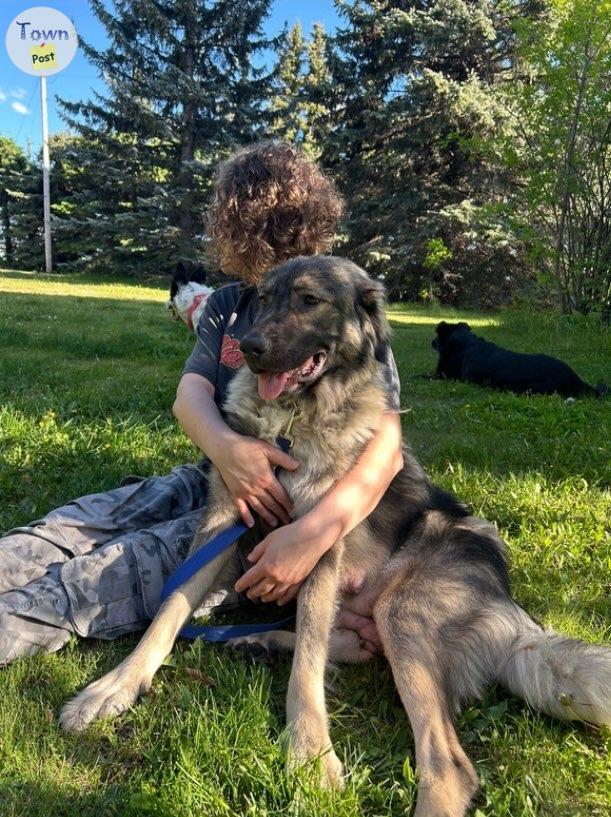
196, 302
286, 435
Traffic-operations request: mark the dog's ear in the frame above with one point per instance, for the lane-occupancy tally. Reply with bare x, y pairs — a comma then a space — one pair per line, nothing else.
180, 274
371, 303
441, 328
455, 336
198, 275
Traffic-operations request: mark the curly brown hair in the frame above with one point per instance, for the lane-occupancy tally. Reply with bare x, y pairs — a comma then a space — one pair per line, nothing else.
271, 203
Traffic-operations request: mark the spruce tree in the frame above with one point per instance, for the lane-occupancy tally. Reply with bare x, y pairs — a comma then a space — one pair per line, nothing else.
24, 199
319, 98
299, 110
13, 166
285, 107
181, 93
417, 112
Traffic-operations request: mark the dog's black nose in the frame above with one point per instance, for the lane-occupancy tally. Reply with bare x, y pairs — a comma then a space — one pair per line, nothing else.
253, 345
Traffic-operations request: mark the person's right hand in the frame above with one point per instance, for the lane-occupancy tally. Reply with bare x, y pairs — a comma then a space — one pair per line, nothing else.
246, 465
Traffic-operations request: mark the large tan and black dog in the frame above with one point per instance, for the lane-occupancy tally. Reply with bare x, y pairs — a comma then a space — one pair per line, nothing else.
437, 576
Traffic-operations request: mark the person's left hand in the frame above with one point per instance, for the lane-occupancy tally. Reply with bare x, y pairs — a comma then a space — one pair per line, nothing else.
282, 562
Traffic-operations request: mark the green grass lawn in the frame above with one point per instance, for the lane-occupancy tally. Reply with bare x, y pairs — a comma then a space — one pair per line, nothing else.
87, 378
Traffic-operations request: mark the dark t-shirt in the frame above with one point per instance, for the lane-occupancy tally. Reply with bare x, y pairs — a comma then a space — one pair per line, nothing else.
227, 317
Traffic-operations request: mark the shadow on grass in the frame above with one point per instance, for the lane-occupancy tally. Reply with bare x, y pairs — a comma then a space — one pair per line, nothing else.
92, 357
46, 463
26, 798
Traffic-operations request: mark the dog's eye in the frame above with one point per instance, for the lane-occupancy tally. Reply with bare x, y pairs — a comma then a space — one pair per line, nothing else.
263, 299
310, 300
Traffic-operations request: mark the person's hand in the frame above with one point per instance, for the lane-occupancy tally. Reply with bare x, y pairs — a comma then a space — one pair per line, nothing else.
282, 562
247, 468
365, 628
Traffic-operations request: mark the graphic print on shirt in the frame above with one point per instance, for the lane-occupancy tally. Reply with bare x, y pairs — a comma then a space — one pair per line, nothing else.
231, 355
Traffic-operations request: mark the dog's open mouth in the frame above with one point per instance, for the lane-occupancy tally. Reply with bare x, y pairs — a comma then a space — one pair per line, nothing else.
272, 384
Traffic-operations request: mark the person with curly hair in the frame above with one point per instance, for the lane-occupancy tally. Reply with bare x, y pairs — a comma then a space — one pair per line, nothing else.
271, 204
96, 566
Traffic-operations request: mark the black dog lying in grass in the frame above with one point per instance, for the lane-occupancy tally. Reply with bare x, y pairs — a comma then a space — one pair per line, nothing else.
464, 356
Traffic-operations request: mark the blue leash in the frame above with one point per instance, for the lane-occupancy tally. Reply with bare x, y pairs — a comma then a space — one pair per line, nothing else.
204, 556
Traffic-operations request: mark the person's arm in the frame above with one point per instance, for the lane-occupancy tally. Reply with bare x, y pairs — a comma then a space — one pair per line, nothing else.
286, 556
245, 463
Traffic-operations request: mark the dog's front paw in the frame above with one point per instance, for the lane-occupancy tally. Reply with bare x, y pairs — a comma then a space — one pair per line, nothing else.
315, 748
106, 698
331, 771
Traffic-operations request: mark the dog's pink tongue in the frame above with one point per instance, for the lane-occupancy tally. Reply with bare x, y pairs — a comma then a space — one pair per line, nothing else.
271, 384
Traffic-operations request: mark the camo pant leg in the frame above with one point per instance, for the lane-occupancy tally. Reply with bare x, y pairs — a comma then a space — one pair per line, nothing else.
86, 523
114, 586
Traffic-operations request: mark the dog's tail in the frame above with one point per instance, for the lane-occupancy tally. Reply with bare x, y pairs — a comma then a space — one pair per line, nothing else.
561, 676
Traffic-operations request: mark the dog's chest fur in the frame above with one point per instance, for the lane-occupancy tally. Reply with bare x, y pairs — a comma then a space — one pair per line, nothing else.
327, 440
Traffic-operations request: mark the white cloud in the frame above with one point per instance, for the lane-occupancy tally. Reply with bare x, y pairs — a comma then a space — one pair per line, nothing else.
19, 108
2, 96
19, 93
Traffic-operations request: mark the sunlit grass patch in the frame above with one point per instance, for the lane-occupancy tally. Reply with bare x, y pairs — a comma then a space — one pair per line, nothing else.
82, 286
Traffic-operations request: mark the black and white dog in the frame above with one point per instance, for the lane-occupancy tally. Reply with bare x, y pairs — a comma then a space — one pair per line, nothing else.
188, 295
465, 356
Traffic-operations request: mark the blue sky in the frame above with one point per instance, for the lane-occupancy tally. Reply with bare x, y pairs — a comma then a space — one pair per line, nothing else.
19, 92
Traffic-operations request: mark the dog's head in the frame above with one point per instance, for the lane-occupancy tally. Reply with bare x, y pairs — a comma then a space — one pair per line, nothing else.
187, 293
451, 336
317, 315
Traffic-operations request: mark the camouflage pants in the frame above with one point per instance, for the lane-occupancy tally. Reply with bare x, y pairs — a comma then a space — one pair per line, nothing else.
96, 566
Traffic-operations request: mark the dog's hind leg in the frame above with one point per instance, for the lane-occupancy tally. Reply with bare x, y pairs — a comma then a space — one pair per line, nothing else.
308, 728
406, 620
119, 689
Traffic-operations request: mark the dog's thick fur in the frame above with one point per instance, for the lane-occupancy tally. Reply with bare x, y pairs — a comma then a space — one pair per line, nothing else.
437, 576
465, 356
